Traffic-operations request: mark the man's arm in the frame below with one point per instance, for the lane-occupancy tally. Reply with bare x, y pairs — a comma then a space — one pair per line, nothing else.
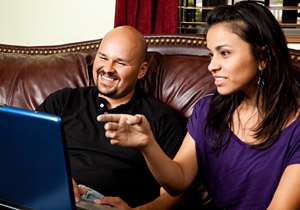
163, 202
196, 197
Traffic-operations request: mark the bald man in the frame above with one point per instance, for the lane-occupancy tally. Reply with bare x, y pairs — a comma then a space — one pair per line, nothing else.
112, 170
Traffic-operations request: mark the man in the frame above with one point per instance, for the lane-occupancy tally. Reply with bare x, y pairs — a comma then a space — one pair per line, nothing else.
95, 163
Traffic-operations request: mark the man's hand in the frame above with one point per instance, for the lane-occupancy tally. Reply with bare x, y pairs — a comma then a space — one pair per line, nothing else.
127, 130
116, 202
78, 191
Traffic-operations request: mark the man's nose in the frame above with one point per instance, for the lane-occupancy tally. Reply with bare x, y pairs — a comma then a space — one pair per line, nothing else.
109, 67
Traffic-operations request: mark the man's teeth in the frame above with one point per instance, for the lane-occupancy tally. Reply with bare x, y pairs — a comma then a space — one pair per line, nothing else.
107, 78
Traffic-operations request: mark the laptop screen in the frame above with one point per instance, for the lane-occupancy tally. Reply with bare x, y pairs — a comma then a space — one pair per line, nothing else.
34, 168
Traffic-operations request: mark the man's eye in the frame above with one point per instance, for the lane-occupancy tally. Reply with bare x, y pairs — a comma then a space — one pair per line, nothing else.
121, 63
103, 58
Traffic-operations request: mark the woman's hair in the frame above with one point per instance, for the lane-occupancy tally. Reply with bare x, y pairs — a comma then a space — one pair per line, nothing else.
256, 25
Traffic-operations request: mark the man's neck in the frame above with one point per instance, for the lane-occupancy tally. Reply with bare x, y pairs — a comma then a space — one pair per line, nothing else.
115, 102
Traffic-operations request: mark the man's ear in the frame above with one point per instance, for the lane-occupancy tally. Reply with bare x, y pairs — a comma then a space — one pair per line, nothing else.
143, 70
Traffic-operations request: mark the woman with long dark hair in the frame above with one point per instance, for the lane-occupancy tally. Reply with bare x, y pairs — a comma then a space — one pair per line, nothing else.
243, 137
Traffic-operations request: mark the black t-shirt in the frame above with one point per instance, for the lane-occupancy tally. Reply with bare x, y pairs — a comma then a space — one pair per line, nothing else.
112, 170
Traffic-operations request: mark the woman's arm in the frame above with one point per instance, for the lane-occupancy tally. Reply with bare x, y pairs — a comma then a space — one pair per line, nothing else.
287, 194
174, 176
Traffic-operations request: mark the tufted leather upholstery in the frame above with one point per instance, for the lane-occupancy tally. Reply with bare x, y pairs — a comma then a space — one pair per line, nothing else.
177, 80
26, 80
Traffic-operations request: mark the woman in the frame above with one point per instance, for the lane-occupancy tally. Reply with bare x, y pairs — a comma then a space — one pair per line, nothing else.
244, 137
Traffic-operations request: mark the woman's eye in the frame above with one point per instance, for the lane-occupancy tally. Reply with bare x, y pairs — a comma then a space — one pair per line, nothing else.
225, 53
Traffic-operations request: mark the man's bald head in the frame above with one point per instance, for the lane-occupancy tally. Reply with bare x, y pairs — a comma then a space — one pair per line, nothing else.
128, 35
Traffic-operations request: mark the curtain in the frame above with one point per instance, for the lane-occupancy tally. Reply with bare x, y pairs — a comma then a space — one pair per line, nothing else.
148, 16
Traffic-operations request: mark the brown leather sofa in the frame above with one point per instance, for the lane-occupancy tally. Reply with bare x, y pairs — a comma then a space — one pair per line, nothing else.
177, 74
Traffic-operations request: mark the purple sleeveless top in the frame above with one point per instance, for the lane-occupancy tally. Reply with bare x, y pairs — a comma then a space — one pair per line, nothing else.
240, 177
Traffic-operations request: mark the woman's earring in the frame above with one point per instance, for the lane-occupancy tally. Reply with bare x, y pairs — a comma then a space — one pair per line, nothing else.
261, 80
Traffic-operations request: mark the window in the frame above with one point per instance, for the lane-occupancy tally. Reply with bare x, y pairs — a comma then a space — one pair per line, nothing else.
192, 13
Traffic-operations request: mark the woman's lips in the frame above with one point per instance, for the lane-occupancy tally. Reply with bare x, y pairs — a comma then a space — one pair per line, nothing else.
219, 80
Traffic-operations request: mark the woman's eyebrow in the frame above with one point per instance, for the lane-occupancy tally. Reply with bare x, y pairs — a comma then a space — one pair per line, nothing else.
221, 46
218, 47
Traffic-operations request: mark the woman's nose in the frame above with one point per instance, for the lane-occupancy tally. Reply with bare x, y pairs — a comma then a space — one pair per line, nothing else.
214, 65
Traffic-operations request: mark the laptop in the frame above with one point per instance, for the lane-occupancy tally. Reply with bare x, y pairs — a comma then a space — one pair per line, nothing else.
35, 172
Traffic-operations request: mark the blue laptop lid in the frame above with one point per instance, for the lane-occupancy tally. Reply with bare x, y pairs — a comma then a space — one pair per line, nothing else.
33, 162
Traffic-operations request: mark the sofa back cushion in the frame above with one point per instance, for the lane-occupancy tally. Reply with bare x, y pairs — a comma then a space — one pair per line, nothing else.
25, 80
179, 81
